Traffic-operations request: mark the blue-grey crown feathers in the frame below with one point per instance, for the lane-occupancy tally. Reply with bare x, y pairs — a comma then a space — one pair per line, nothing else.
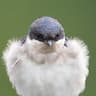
46, 28
46, 24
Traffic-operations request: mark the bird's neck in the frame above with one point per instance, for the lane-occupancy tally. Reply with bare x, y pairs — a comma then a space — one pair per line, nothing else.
47, 49
40, 46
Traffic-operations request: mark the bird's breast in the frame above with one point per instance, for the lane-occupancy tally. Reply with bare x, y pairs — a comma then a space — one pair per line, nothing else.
46, 79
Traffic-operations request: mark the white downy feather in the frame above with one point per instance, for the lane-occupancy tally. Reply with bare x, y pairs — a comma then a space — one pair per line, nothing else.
37, 70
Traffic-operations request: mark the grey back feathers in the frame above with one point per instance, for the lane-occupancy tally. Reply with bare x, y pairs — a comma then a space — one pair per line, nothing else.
46, 28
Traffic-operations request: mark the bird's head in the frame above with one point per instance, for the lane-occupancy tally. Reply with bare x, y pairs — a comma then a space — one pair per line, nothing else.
46, 30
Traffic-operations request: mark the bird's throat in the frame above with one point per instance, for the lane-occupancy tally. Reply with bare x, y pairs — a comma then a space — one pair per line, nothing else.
48, 49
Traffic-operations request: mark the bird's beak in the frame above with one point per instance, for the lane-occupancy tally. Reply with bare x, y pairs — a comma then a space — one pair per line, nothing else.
50, 43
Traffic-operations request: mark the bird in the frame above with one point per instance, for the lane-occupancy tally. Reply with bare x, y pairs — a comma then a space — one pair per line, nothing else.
46, 62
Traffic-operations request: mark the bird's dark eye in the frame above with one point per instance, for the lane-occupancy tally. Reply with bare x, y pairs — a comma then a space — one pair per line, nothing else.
40, 37
57, 35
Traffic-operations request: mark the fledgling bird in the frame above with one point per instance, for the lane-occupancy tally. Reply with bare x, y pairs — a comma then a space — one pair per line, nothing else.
45, 63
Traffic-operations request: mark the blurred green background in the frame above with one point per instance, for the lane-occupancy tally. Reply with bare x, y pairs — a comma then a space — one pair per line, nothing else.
77, 16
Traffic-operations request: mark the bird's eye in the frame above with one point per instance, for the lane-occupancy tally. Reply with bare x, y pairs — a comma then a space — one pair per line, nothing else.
40, 37
57, 35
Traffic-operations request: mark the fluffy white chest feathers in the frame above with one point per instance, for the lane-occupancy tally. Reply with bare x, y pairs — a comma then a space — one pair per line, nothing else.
36, 70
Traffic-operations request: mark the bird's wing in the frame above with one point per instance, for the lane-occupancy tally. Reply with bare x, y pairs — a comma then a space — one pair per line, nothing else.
23, 40
11, 53
66, 40
79, 48
77, 55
